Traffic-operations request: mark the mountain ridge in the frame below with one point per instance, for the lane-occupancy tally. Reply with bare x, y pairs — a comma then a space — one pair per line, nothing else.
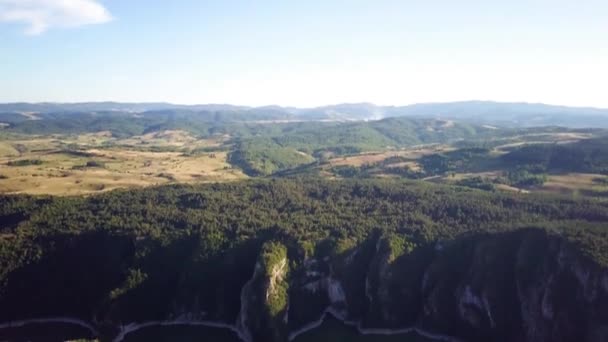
47, 106
509, 114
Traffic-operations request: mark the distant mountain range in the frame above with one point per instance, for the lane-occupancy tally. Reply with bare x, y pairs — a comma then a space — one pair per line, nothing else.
480, 112
137, 107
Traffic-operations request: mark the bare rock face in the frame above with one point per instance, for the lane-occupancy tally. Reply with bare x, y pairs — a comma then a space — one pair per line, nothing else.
524, 285
561, 295
518, 286
264, 298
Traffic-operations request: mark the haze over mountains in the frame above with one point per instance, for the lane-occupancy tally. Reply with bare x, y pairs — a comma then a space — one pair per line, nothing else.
481, 112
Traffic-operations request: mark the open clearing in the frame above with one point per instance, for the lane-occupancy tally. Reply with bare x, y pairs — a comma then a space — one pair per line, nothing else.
375, 157
100, 166
544, 138
575, 183
30, 115
7, 150
565, 184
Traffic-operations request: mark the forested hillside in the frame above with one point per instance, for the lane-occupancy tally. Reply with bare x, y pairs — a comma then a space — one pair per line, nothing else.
584, 156
267, 140
479, 112
158, 253
295, 144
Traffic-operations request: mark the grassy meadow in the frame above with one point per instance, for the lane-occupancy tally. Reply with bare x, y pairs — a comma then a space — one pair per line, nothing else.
89, 163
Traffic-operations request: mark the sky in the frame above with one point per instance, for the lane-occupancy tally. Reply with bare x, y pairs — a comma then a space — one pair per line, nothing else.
304, 53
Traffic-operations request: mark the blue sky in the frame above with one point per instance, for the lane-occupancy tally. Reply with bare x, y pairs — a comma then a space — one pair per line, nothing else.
304, 53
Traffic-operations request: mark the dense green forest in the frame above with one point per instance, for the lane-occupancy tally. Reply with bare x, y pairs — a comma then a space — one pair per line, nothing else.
524, 166
587, 156
584, 156
116, 248
298, 144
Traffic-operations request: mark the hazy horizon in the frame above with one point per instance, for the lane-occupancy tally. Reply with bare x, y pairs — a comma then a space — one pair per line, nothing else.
304, 107
303, 54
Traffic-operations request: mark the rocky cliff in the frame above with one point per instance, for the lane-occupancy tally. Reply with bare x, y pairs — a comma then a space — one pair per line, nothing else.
517, 286
523, 285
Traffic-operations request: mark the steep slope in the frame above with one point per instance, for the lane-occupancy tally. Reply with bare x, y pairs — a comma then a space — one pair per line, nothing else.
264, 299
269, 259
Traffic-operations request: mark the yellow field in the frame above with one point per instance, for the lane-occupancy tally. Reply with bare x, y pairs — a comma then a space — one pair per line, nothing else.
375, 157
464, 175
573, 183
64, 173
168, 138
505, 187
565, 184
412, 165
544, 138
7, 150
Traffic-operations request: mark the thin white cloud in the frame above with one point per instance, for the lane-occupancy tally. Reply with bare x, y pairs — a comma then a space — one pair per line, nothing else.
42, 15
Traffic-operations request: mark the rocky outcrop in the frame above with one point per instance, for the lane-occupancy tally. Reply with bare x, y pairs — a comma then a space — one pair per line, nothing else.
525, 285
519, 286
264, 299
